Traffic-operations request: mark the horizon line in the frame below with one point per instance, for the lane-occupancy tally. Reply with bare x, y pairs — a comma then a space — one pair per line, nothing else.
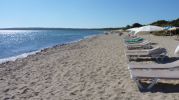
56, 28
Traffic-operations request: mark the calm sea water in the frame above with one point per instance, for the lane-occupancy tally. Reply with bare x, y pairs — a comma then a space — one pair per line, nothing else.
15, 43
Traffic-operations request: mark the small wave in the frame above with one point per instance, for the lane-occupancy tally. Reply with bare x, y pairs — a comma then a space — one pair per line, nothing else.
18, 56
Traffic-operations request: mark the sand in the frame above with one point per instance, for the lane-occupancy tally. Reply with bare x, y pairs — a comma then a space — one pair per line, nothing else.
92, 69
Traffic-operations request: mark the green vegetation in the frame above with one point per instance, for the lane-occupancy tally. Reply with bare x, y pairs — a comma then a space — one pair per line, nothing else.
160, 33
161, 23
166, 23
132, 26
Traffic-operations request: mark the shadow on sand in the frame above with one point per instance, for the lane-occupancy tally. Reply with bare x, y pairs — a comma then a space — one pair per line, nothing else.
162, 87
153, 43
163, 61
169, 60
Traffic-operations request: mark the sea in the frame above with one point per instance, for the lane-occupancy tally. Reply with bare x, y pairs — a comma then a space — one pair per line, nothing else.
21, 43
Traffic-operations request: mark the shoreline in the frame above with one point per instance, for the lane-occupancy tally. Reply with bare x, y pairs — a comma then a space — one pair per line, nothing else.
24, 55
93, 69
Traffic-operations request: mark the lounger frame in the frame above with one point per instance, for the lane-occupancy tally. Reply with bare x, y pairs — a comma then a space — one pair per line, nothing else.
153, 72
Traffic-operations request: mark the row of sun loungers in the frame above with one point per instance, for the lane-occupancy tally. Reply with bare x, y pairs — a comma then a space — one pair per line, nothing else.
143, 50
149, 72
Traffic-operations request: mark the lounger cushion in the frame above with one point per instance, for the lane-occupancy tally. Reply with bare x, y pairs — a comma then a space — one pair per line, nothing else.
136, 40
155, 66
160, 74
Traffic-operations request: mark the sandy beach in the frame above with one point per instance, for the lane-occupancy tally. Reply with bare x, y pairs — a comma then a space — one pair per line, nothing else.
92, 69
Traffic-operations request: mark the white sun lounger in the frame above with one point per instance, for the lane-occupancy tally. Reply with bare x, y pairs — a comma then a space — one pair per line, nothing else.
144, 44
154, 72
127, 37
157, 53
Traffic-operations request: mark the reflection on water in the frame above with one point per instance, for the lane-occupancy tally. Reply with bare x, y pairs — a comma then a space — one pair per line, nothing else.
17, 42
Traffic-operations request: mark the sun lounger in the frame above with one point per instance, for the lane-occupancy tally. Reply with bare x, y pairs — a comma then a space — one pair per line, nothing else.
153, 66
130, 37
157, 53
153, 72
144, 45
134, 40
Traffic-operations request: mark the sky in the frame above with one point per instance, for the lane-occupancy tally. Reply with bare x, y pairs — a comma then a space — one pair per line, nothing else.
84, 13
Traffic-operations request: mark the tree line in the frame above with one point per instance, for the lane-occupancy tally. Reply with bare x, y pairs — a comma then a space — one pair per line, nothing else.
161, 23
